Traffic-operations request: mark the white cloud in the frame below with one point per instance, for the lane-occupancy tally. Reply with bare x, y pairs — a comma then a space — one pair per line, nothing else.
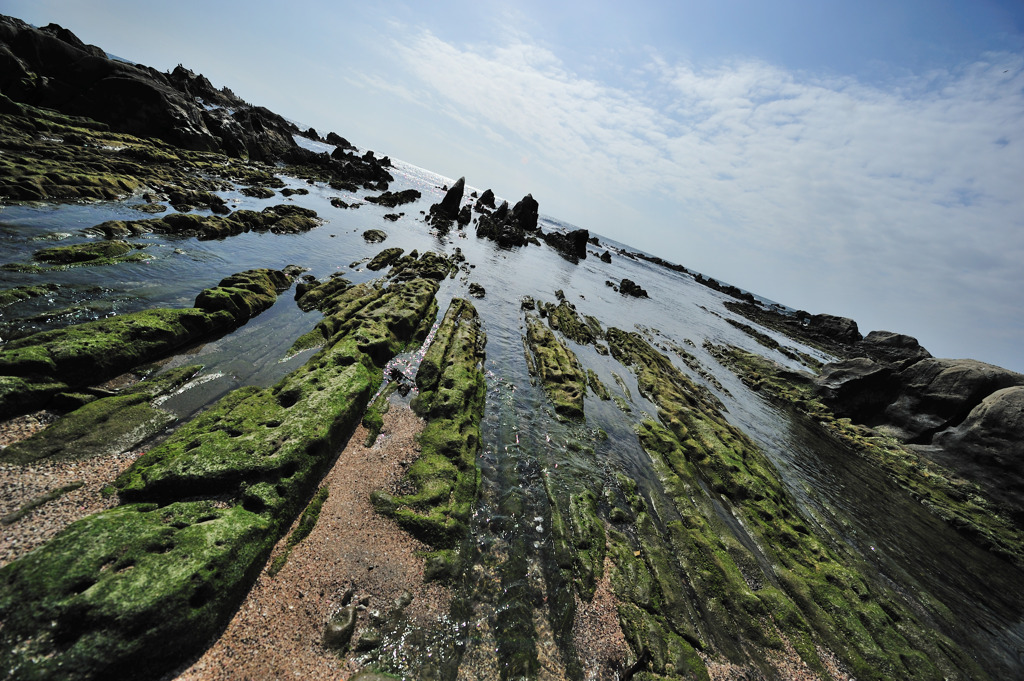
823, 192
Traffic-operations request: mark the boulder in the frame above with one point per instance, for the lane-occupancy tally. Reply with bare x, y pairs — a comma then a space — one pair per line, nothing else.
338, 141
572, 245
987, 447
936, 394
606, 257
840, 329
486, 200
897, 349
858, 388
629, 287
525, 213
52, 68
503, 228
448, 209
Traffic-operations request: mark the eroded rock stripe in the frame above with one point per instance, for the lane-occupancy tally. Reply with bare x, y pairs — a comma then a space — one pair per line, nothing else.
775, 570
134, 590
445, 476
35, 368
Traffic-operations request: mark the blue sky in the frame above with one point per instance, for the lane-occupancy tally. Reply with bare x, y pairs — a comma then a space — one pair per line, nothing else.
857, 158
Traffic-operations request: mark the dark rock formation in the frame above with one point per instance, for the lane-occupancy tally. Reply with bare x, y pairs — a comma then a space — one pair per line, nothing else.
374, 236
896, 349
841, 329
485, 201
52, 68
936, 394
341, 169
857, 387
447, 211
631, 288
394, 199
339, 141
606, 257
572, 246
509, 228
987, 447
526, 212
965, 414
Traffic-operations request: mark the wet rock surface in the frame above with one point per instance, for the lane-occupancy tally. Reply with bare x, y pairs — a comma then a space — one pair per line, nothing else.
585, 499
35, 368
254, 450
960, 411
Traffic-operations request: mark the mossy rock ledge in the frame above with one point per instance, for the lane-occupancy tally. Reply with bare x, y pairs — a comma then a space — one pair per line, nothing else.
105, 425
960, 503
445, 477
692, 586
135, 590
557, 368
35, 368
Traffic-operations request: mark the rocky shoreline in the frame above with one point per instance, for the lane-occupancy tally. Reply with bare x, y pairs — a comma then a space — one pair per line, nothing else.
369, 516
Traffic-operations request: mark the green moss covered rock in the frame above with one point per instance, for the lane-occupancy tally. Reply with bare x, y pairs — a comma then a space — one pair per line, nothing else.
813, 595
386, 257
133, 591
103, 426
445, 476
12, 295
92, 352
557, 368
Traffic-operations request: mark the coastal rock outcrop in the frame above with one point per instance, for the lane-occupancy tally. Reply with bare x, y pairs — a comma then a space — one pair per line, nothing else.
628, 287
571, 245
526, 213
485, 203
960, 412
987, 447
51, 67
447, 211
133, 591
35, 368
511, 227
897, 349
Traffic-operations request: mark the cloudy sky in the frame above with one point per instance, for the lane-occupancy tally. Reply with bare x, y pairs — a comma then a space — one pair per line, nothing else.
858, 158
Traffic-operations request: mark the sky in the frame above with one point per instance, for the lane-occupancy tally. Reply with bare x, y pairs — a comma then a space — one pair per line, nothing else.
864, 158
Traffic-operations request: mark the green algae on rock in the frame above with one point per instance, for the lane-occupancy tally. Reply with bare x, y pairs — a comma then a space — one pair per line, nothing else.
959, 503
394, 199
564, 318
386, 257
779, 568
772, 344
91, 253
36, 367
445, 477
9, 296
137, 589
557, 368
307, 521
52, 156
105, 425
280, 219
